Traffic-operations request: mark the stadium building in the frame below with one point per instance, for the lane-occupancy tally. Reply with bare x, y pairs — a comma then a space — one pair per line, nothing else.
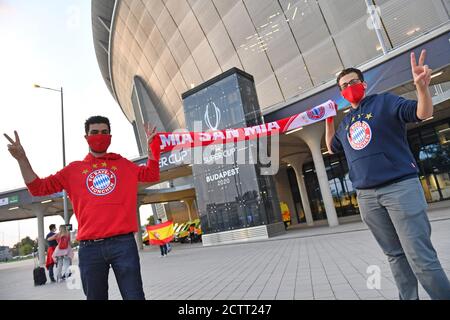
156, 56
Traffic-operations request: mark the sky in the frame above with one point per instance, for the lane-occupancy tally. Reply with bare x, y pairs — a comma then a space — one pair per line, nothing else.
49, 42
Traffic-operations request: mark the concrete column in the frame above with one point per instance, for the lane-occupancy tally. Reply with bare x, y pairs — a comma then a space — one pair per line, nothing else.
155, 213
190, 206
39, 212
138, 235
284, 193
62, 216
296, 161
312, 135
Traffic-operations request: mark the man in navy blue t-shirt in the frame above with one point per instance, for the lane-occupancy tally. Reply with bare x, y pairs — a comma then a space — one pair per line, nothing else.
51, 248
385, 175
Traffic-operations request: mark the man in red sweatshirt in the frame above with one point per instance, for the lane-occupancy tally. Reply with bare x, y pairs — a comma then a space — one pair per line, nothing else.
103, 191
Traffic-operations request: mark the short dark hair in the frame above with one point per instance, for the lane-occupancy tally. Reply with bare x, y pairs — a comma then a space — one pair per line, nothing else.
348, 71
95, 120
51, 227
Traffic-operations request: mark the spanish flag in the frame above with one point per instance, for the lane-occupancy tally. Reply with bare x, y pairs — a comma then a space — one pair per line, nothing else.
161, 233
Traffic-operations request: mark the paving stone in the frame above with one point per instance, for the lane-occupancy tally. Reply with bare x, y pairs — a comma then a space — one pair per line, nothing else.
330, 265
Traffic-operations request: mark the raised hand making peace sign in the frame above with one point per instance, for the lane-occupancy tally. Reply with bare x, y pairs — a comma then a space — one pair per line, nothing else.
150, 132
421, 73
153, 148
15, 148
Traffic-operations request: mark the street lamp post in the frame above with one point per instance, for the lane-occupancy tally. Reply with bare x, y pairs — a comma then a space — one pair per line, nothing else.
66, 213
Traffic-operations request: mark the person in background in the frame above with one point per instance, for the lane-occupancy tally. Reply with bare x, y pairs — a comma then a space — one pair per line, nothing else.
50, 263
162, 247
192, 232
63, 253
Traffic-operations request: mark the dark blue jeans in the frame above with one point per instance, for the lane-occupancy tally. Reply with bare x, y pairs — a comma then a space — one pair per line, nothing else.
50, 273
121, 253
163, 249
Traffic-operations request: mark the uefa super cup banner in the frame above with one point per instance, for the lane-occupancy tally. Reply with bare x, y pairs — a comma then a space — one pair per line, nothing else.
179, 140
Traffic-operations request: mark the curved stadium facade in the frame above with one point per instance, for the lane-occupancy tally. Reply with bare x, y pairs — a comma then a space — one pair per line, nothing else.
151, 52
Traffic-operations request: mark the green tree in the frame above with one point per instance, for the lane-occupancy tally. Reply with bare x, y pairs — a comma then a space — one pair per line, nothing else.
24, 247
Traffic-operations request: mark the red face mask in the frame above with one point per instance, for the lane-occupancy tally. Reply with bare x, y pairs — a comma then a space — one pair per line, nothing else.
355, 93
99, 142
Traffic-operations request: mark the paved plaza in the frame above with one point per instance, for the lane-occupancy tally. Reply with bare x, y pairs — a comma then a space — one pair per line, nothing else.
316, 263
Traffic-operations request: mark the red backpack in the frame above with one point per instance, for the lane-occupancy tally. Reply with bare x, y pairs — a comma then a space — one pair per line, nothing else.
63, 242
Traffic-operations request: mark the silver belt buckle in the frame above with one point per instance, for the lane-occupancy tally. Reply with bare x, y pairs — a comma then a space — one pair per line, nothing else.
98, 240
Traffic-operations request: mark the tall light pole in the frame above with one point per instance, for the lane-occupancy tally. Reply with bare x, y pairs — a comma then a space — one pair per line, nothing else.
66, 213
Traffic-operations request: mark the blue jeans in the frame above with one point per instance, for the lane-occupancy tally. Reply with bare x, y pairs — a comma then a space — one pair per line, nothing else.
121, 253
62, 266
396, 215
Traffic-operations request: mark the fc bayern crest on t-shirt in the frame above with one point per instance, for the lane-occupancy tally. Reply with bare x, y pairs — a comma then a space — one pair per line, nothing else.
359, 135
101, 182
